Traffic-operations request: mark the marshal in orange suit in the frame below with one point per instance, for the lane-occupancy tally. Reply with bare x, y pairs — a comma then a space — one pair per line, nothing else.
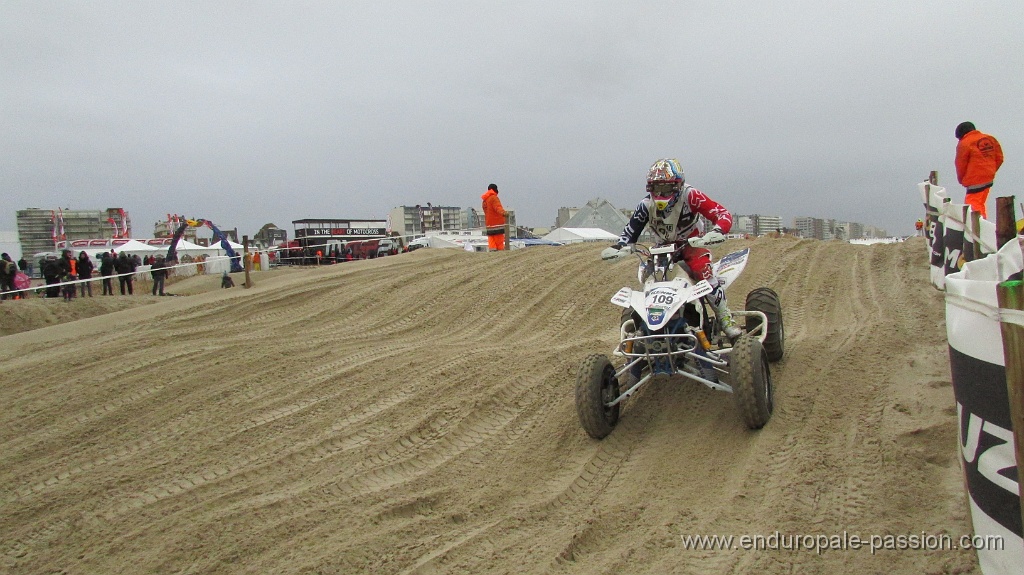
494, 218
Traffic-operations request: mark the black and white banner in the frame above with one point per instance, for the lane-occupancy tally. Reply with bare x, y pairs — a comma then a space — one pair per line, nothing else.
983, 409
953, 237
934, 198
946, 228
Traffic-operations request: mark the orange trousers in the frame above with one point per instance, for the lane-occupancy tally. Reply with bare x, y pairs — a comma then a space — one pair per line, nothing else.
977, 201
496, 242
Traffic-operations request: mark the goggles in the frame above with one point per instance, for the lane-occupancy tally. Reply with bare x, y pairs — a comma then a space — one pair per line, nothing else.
663, 195
664, 189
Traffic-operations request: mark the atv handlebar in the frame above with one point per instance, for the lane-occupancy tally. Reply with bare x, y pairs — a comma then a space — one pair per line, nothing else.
711, 238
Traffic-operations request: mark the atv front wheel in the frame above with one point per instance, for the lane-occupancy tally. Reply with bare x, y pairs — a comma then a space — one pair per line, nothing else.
597, 386
766, 301
751, 381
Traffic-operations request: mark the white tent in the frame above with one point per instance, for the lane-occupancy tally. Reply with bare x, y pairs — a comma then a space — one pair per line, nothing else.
186, 247
215, 245
184, 244
217, 265
133, 246
434, 242
575, 235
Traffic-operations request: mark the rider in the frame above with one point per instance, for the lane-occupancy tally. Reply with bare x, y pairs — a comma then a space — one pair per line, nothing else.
672, 210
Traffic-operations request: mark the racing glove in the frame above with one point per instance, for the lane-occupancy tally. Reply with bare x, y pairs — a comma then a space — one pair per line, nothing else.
714, 237
616, 251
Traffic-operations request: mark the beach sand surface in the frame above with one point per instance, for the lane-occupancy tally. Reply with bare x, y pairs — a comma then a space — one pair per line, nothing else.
415, 414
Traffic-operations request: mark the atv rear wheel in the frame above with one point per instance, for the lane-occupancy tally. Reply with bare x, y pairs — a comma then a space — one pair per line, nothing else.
596, 386
765, 300
751, 381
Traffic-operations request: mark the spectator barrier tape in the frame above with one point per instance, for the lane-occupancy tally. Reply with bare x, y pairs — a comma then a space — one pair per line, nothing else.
211, 265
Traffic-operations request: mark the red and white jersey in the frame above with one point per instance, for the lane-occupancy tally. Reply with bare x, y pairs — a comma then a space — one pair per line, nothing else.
679, 220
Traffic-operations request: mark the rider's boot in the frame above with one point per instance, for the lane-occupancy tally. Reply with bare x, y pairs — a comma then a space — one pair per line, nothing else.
725, 319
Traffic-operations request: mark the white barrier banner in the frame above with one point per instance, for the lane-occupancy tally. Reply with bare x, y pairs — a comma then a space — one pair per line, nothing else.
934, 197
983, 407
952, 216
946, 228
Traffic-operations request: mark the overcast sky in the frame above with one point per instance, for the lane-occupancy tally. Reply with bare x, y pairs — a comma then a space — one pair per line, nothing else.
246, 113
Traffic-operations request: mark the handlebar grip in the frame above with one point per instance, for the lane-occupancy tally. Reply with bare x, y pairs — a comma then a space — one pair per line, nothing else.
611, 254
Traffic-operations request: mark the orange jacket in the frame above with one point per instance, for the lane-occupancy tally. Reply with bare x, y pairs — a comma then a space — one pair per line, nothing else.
494, 214
978, 156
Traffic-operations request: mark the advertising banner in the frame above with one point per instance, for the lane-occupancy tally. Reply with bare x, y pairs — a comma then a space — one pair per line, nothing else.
983, 409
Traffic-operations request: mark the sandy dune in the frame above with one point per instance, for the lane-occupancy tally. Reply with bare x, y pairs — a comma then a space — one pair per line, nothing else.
414, 414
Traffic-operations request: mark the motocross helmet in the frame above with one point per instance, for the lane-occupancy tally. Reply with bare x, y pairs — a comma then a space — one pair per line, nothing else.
664, 183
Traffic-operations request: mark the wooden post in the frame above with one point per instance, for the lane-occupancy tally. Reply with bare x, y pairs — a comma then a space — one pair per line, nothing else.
1006, 221
967, 249
976, 230
506, 234
247, 259
933, 178
1010, 295
943, 208
927, 212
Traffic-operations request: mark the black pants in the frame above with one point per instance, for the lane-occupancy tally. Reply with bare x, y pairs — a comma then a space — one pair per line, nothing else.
126, 281
52, 290
69, 289
108, 286
158, 286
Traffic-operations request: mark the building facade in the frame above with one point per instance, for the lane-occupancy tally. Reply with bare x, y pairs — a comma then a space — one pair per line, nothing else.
826, 229
755, 224
417, 221
873, 232
764, 225
856, 230
472, 218
270, 235
742, 225
166, 229
814, 228
39, 230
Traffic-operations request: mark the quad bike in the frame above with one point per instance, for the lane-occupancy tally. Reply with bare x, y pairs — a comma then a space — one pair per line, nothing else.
667, 331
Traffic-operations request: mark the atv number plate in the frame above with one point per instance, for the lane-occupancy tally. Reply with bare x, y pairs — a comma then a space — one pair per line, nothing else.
660, 298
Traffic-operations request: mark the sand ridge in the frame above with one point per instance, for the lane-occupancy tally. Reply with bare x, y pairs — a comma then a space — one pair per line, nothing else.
414, 414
